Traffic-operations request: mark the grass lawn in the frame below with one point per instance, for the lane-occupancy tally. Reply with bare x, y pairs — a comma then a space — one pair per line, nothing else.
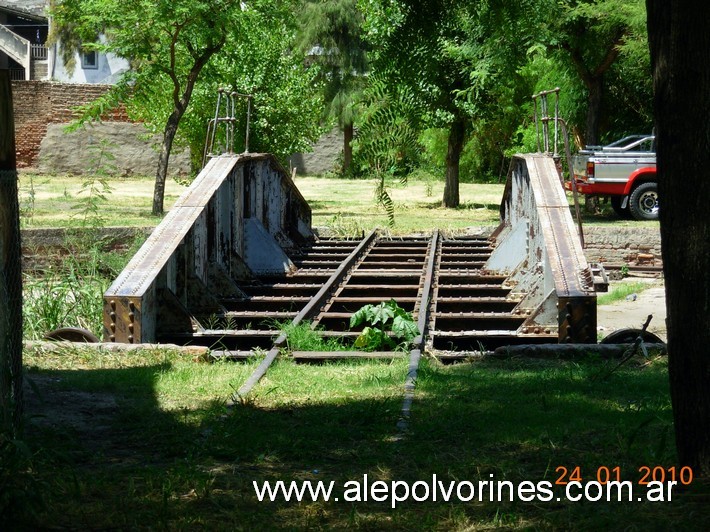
145, 441
54, 201
344, 206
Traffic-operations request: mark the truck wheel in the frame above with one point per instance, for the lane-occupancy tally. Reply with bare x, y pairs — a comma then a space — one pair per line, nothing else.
643, 202
623, 212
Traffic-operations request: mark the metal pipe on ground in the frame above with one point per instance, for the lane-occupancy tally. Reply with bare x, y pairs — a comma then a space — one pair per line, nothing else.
416, 353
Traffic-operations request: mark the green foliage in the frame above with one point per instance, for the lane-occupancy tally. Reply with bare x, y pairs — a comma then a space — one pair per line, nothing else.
69, 293
172, 47
385, 323
388, 135
387, 145
330, 35
303, 337
604, 41
96, 187
67, 297
286, 106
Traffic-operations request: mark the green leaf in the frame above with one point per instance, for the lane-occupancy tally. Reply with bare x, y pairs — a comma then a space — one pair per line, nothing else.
382, 313
405, 328
361, 316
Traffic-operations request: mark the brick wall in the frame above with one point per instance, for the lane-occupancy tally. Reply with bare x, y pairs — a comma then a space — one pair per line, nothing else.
622, 245
39, 103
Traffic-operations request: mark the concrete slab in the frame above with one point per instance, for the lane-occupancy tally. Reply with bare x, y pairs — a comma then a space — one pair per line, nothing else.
632, 312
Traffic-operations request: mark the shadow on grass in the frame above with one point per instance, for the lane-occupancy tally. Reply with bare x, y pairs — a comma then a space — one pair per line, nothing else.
125, 462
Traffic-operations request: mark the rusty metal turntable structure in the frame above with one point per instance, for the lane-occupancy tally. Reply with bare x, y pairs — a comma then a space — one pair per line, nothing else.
236, 258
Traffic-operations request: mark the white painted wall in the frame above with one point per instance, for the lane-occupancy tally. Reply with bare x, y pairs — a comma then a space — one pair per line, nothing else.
109, 69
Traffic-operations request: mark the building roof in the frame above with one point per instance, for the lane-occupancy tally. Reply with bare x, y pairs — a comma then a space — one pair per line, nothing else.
33, 9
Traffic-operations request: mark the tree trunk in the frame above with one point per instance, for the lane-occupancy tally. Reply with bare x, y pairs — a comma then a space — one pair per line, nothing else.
161, 175
348, 131
180, 103
10, 270
594, 108
453, 155
679, 43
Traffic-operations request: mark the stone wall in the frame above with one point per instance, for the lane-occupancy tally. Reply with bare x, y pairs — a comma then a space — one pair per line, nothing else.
324, 156
37, 104
622, 245
42, 111
131, 153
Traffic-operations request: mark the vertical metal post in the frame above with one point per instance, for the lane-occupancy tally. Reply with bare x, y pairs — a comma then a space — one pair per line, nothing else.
537, 125
220, 91
557, 118
575, 194
545, 125
231, 117
10, 269
246, 140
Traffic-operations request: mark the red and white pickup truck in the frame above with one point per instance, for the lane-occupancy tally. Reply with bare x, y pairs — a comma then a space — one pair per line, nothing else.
625, 171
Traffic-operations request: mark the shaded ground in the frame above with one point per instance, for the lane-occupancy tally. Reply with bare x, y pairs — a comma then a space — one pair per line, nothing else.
631, 312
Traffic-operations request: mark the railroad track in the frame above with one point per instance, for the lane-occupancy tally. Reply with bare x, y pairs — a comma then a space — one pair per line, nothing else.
458, 305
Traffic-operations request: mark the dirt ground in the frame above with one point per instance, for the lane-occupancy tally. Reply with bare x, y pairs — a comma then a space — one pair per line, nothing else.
632, 312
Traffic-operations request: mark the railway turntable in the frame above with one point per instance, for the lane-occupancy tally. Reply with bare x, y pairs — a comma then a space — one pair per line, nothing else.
237, 258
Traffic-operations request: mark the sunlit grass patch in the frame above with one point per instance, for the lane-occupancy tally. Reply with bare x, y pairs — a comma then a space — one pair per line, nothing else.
619, 291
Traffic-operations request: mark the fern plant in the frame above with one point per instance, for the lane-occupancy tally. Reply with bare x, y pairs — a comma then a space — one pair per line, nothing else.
387, 143
388, 326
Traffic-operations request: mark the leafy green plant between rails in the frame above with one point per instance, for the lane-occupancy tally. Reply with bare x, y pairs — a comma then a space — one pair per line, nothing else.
385, 323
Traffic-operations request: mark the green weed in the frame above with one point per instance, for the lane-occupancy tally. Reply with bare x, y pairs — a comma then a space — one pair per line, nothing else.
303, 337
621, 290
388, 326
95, 188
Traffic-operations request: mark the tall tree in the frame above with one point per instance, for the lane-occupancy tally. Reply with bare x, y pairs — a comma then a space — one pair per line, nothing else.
163, 40
331, 34
285, 112
680, 45
454, 56
591, 36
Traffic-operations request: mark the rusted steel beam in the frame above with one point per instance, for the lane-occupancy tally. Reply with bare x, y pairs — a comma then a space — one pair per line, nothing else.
235, 220
539, 248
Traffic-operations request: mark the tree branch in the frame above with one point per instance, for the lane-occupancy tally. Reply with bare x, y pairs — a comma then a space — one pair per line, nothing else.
611, 54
